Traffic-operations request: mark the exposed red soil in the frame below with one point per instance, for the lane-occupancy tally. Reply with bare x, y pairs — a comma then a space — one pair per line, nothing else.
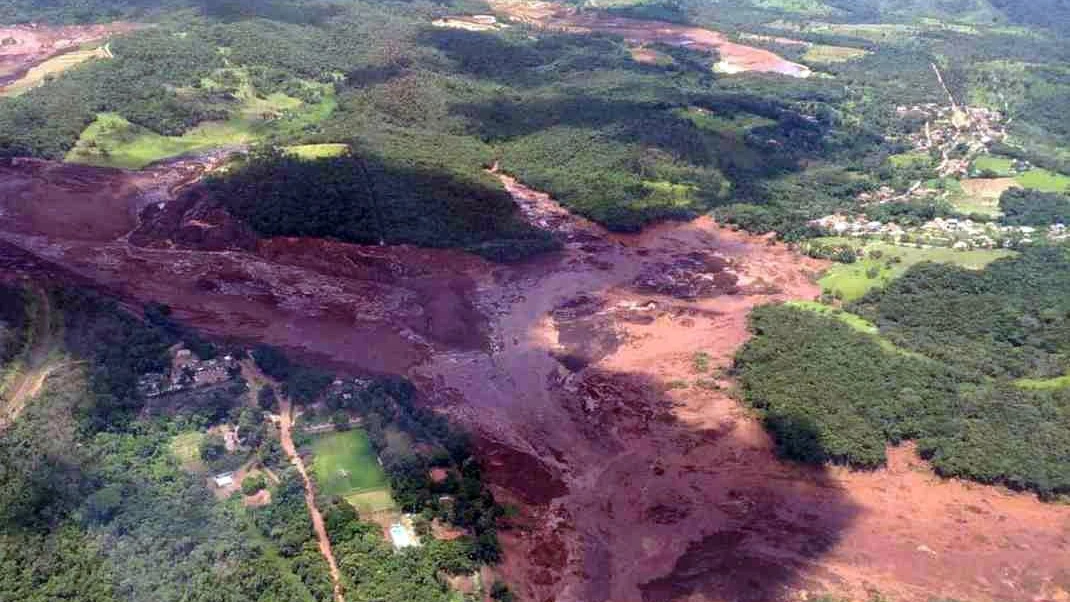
734, 57
568, 370
318, 524
30, 45
380, 308
988, 187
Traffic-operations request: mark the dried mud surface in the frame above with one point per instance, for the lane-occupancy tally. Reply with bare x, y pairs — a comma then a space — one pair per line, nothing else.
734, 57
637, 476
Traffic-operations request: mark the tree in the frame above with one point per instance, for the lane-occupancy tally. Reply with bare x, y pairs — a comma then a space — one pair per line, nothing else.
267, 400
340, 420
252, 484
212, 448
501, 592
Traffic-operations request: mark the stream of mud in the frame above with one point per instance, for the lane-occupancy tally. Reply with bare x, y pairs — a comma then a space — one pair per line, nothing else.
733, 57
637, 476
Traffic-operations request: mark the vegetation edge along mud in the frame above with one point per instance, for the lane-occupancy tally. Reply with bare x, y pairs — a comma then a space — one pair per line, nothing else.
576, 301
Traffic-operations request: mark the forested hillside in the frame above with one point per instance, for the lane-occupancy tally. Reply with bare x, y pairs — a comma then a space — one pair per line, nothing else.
102, 500
957, 360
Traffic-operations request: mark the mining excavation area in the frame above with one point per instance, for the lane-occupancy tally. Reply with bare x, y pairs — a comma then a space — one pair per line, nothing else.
637, 475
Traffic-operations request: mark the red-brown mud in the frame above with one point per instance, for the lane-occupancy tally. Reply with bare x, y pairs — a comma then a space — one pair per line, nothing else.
381, 309
638, 477
24, 46
734, 57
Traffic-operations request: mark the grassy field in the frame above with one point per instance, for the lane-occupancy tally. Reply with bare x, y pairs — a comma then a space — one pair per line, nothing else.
318, 151
1001, 166
112, 141
52, 67
1044, 384
1042, 179
854, 321
186, 449
810, 8
822, 53
910, 159
345, 465
371, 501
740, 123
851, 280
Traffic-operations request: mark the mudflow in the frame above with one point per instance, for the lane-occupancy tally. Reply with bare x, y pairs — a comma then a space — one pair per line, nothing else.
637, 478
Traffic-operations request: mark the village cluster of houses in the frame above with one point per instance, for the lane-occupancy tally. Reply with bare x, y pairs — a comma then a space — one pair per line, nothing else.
188, 372
961, 234
959, 133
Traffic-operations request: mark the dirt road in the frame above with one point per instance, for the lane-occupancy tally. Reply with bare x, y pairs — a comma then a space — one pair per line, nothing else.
38, 363
285, 427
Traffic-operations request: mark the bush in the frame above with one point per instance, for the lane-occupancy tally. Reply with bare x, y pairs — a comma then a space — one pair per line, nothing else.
267, 400
272, 362
252, 484
212, 448
501, 592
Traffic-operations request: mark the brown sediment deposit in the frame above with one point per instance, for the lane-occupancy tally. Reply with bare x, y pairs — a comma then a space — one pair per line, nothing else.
637, 476
988, 187
734, 57
24, 46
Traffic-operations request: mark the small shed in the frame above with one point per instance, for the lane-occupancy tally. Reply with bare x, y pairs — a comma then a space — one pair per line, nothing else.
225, 479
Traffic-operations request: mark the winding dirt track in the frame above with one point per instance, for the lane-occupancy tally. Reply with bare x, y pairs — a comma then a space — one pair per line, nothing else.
638, 476
285, 437
31, 377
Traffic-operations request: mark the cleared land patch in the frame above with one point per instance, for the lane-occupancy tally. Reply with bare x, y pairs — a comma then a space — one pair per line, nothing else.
1000, 166
853, 320
1044, 384
850, 281
345, 465
38, 74
1044, 180
981, 195
371, 501
823, 53
186, 449
318, 151
112, 141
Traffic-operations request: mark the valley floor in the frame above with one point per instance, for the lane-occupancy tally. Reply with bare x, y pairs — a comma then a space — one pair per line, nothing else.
638, 476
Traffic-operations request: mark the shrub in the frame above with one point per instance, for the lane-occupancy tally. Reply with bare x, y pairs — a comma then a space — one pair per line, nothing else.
252, 484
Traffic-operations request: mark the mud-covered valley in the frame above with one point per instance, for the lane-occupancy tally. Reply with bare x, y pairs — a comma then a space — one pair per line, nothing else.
636, 477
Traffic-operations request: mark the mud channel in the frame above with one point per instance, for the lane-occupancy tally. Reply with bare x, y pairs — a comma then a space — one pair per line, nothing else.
639, 33
637, 478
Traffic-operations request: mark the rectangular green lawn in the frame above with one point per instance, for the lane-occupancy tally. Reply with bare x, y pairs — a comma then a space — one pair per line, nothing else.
1044, 180
345, 464
1001, 166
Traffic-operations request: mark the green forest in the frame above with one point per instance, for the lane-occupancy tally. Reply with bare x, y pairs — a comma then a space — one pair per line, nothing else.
944, 370
97, 503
